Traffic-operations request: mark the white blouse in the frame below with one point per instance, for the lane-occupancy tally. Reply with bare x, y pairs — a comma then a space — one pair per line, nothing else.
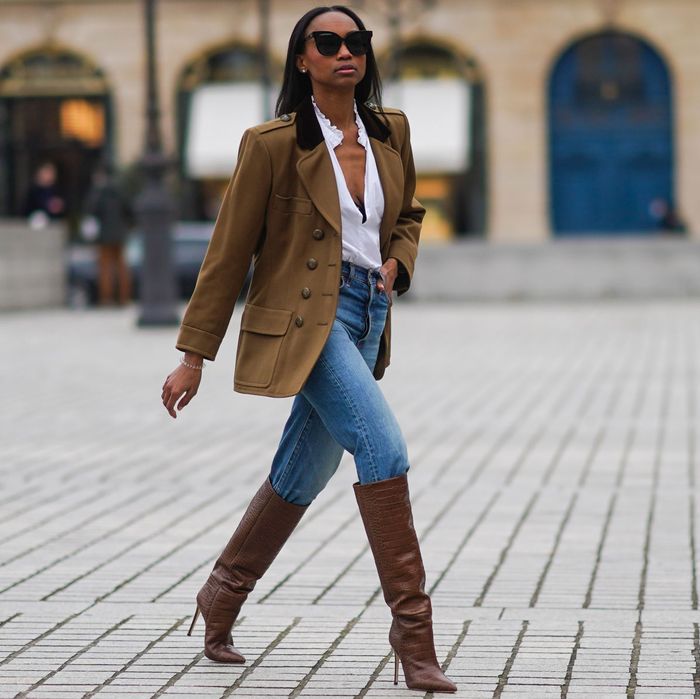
360, 237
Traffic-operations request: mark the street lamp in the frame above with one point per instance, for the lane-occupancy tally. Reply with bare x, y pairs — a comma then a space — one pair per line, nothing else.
155, 209
265, 78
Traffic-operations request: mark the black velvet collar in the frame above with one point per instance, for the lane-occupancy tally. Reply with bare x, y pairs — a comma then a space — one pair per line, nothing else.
309, 133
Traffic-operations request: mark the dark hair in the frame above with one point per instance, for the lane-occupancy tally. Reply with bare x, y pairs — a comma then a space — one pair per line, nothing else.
296, 86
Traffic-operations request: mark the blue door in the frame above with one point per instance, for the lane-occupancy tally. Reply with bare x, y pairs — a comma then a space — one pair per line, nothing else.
611, 142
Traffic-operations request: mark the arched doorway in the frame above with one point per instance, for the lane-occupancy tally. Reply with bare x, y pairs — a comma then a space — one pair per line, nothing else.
55, 106
611, 140
443, 93
220, 94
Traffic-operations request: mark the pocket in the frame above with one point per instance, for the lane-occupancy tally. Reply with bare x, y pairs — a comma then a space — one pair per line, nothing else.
292, 205
259, 343
382, 294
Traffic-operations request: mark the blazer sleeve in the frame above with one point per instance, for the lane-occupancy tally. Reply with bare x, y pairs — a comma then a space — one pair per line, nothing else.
403, 243
237, 232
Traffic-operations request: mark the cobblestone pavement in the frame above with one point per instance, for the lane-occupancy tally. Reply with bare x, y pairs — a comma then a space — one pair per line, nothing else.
554, 478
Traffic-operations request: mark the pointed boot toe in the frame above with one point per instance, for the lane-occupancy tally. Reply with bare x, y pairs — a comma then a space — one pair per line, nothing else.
436, 686
224, 653
424, 674
436, 682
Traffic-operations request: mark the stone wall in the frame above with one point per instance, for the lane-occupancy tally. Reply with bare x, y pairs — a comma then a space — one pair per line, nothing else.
558, 270
32, 266
515, 43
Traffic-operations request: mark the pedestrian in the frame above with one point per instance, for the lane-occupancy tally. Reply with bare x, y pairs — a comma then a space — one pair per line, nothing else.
322, 200
43, 201
666, 217
112, 212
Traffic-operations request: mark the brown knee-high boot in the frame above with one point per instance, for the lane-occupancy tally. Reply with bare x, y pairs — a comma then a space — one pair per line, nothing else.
385, 507
266, 525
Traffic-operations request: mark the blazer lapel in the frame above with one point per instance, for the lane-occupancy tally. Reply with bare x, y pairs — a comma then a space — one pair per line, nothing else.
389, 167
316, 174
390, 171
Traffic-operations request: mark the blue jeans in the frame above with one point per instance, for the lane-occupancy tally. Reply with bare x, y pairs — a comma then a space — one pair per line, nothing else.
341, 407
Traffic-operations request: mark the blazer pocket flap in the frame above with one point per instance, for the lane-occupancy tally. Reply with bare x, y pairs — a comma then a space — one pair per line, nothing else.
266, 321
292, 205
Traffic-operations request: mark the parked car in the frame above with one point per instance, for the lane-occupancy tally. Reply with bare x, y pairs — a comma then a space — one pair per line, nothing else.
190, 240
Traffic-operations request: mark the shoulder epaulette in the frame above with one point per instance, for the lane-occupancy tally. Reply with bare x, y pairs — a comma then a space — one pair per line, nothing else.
278, 123
386, 110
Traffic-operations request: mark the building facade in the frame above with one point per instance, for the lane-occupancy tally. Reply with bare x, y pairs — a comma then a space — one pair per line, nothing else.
531, 119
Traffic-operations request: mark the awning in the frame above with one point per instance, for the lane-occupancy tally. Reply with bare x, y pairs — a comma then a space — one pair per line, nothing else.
218, 116
439, 113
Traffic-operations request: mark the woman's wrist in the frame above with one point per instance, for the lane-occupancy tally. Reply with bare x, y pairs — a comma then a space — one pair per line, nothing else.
392, 266
192, 360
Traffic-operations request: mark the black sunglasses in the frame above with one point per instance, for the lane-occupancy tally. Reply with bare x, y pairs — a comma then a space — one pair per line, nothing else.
329, 43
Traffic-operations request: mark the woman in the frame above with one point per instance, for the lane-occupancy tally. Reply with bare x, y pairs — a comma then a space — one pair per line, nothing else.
322, 201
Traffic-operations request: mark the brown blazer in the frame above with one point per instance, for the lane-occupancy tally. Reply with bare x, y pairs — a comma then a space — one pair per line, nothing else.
281, 209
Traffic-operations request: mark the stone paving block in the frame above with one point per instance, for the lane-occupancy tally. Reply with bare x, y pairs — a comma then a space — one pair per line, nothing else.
554, 470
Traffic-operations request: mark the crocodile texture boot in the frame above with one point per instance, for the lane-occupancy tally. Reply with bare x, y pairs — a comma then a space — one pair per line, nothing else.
265, 527
385, 507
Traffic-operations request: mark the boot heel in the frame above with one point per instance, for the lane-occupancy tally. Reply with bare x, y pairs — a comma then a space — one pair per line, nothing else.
194, 619
396, 668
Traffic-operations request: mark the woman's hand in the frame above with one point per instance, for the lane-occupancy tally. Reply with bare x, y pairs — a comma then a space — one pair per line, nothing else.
389, 271
182, 381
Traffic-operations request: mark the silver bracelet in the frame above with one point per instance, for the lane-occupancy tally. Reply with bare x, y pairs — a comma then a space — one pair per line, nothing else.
184, 362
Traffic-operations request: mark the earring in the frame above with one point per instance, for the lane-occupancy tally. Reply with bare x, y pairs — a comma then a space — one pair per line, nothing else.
303, 70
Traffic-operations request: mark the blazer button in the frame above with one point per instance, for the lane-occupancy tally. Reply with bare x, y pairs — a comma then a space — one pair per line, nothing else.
299, 321
285, 117
318, 234
312, 263
306, 292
